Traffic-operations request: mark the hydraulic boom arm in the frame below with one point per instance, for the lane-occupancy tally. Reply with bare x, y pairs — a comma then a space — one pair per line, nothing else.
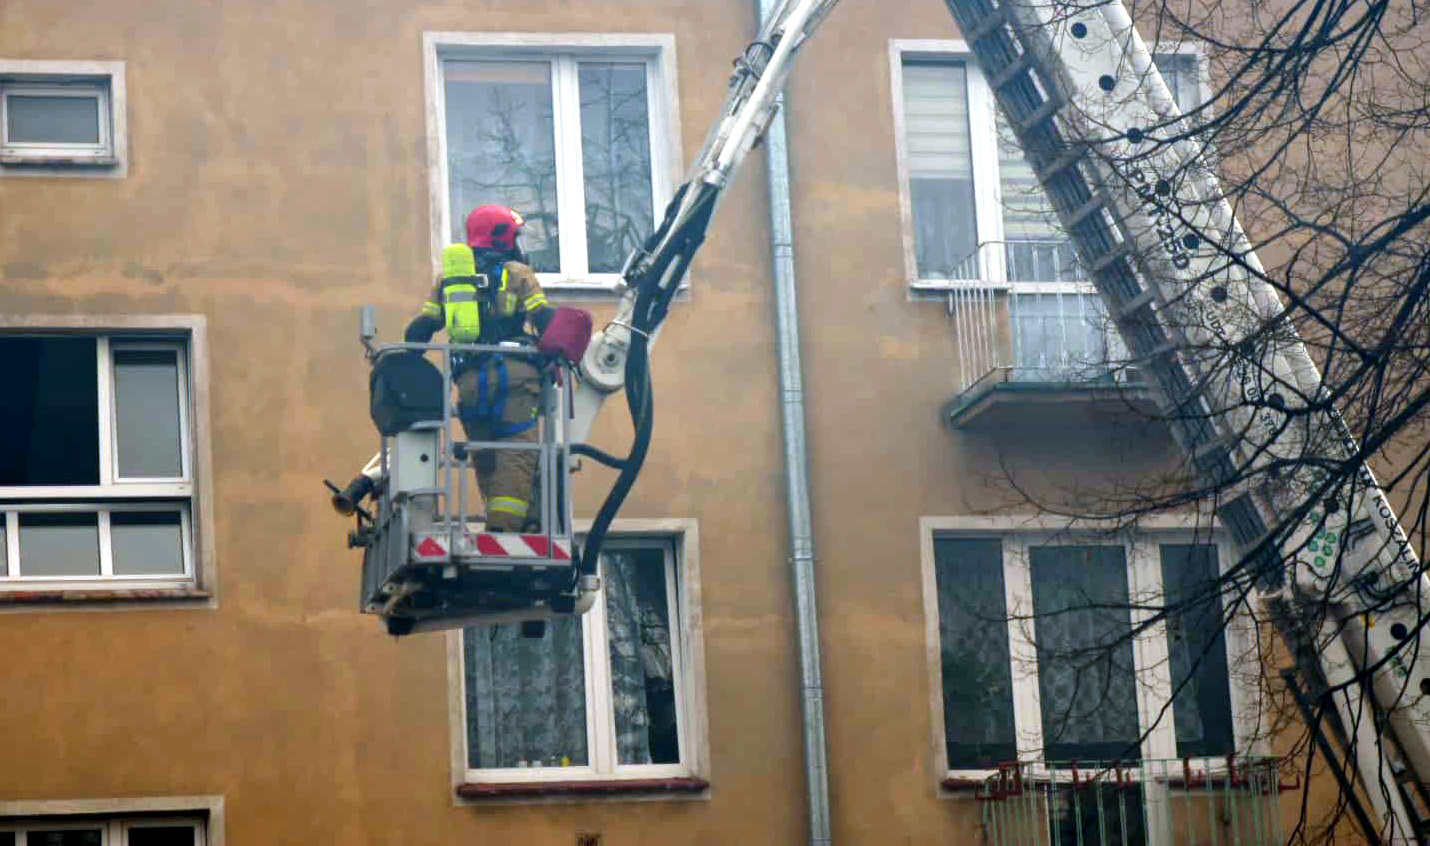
618, 358
655, 270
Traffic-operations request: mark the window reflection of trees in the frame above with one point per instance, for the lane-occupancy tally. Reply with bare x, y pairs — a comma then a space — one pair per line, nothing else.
615, 145
503, 150
510, 158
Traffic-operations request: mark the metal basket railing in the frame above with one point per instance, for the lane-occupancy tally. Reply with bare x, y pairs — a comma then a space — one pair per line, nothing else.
1155, 802
452, 498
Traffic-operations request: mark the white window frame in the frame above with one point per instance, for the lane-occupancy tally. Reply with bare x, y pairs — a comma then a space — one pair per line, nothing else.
564, 51
110, 483
189, 493
983, 138
91, 90
104, 81
1150, 648
113, 832
205, 812
109, 416
12, 579
680, 538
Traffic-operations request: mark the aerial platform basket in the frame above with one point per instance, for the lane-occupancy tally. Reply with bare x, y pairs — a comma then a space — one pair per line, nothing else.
428, 561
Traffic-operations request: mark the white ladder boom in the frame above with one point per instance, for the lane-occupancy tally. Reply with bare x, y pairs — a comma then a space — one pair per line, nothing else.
1181, 281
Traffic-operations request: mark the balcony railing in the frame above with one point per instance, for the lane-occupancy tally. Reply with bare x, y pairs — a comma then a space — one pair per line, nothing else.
1019, 333
1029, 335
1015, 260
1214, 802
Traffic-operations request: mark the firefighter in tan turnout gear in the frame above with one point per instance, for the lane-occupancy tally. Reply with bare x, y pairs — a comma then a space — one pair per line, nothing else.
487, 294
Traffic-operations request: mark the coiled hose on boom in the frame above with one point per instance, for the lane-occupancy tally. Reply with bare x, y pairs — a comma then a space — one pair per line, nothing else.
669, 251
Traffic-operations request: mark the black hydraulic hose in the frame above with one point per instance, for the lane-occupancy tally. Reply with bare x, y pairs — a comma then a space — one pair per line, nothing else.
598, 455
651, 306
638, 400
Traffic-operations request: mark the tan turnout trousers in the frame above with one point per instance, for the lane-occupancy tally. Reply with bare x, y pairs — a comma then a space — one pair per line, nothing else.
507, 477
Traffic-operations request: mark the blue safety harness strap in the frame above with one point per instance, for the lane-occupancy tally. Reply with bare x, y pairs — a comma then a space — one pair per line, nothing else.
491, 412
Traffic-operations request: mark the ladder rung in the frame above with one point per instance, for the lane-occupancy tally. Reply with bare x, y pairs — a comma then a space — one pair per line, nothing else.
1109, 258
987, 26
1209, 447
1243, 490
1062, 163
1083, 212
1165, 348
1042, 113
1014, 70
1216, 462
1135, 304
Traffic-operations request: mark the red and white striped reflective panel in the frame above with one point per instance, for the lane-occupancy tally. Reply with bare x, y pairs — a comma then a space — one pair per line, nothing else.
429, 547
505, 545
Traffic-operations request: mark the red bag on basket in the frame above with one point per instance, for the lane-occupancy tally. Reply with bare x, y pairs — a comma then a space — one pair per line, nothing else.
567, 334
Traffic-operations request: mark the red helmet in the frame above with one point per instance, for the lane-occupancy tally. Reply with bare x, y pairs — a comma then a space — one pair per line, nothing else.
494, 227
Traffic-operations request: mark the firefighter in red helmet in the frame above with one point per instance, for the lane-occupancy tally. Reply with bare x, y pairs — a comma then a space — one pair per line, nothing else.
487, 294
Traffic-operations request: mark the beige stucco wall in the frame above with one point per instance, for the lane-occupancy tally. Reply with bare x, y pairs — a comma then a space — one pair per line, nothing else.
278, 179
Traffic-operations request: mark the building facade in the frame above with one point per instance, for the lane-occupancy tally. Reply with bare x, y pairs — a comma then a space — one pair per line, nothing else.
195, 199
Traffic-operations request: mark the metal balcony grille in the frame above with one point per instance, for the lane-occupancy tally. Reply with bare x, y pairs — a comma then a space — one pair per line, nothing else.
1032, 333
1155, 802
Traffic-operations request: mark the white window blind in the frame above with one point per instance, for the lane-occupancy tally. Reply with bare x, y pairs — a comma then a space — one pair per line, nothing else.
939, 148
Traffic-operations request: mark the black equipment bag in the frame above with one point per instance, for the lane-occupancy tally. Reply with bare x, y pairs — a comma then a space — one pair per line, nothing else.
405, 389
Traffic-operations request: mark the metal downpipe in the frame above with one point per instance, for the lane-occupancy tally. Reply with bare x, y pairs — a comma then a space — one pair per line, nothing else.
801, 533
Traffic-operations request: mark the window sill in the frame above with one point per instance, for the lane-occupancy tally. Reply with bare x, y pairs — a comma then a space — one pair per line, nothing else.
11, 160
944, 286
955, 784
543, 789
570, 289
609, 284
63, 596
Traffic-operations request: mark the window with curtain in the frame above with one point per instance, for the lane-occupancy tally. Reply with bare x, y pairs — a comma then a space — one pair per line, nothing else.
973, 651
1086, 677
940, 161
1182, 73
1036, 249
76, 830
949, 121
599, 695
1038, 657
565, 139
1060, 336
961, 156
1197, 646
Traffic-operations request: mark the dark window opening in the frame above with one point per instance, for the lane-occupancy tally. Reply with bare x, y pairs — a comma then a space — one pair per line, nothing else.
69, 837
49, 421
165, 835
